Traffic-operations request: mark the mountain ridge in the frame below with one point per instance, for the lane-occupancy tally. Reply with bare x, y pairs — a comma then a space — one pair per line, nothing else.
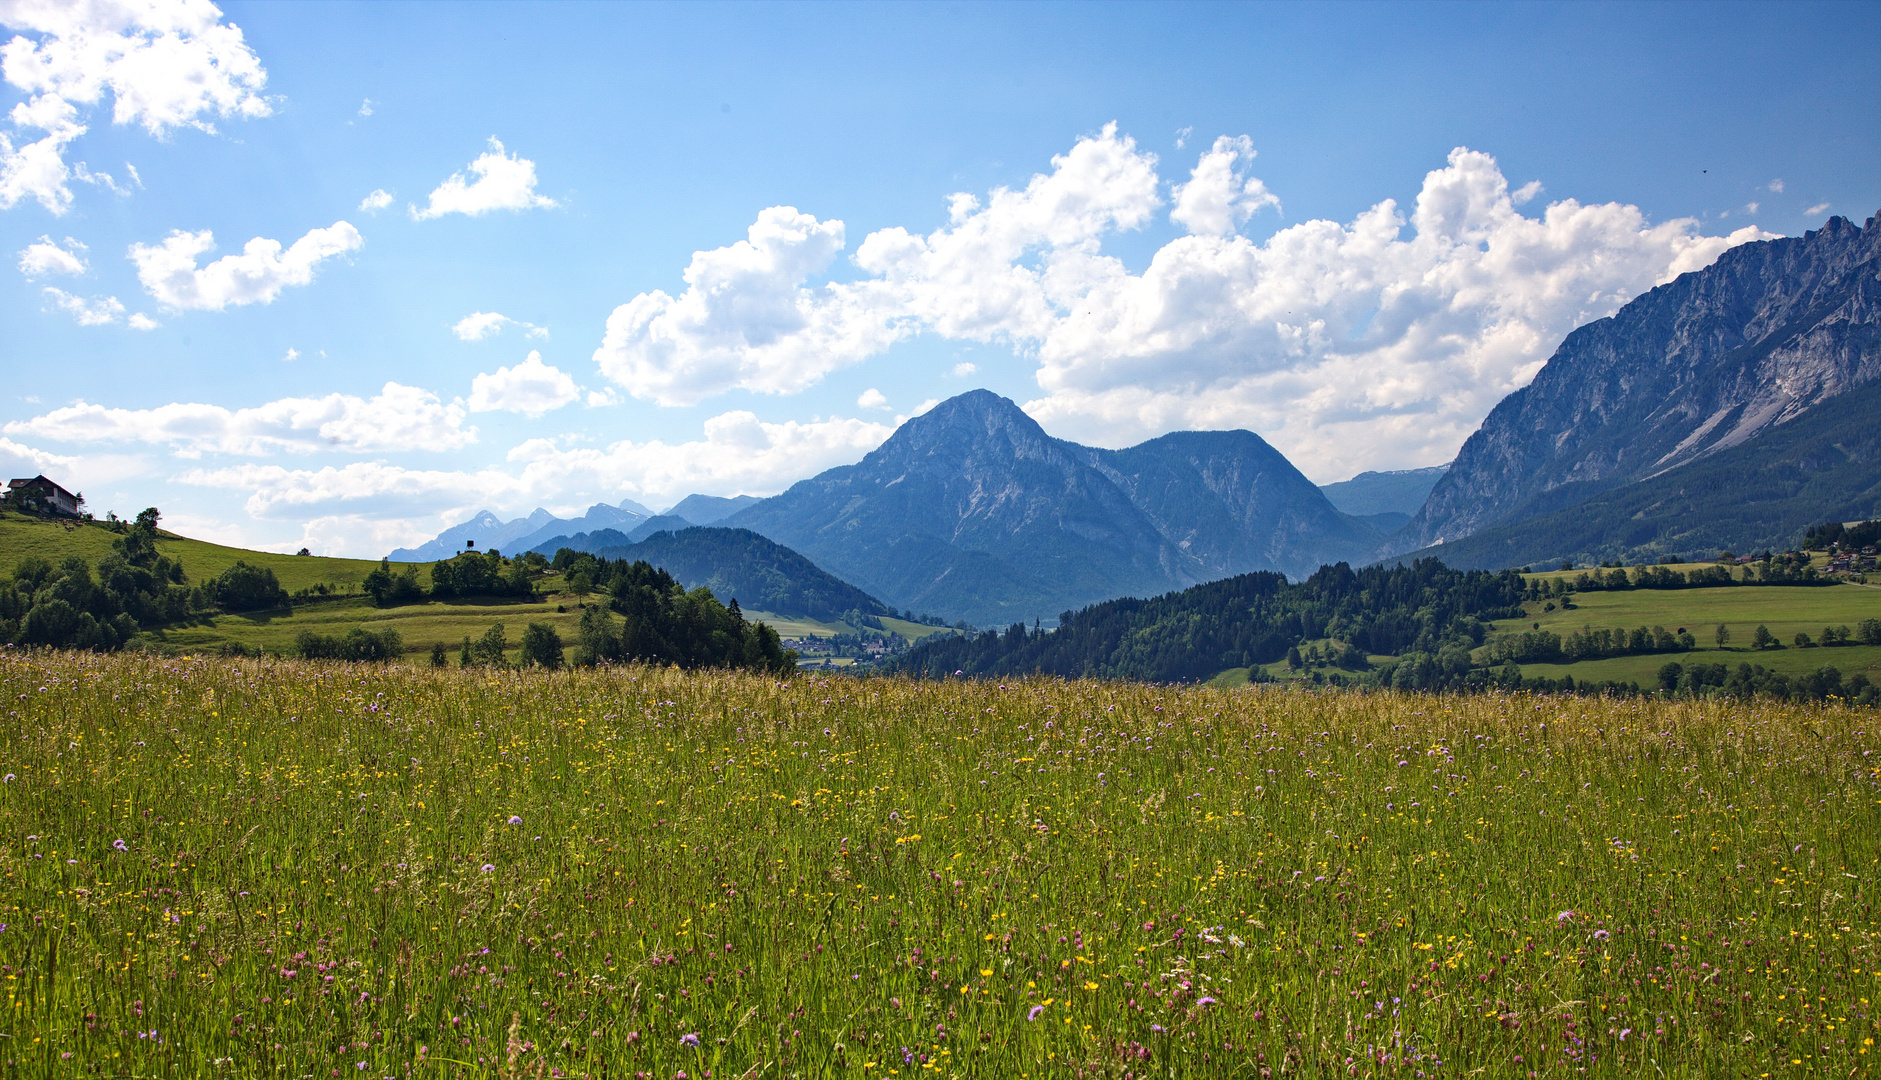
1823, 465
1693, 367
736, 564
972, 511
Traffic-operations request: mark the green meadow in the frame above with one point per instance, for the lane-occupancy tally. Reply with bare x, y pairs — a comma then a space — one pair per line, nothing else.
1786, 610
236, 867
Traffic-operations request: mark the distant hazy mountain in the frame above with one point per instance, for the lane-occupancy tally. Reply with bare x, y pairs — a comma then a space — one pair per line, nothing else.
706, 509
658, 523
521, 533
972, 511
1824, 465
1371, 494
1710, 361
486, 529
599, 516
736, 564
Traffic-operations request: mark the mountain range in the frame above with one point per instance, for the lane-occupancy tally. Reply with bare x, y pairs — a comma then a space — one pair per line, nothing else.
1708, 362
525, 533
1386, 500
1730, 407
972, 511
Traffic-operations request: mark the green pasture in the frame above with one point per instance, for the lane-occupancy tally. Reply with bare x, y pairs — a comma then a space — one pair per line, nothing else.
1785, 609
22, 536
447, 621
420, 625
804, 626
1644, 670
1550, 575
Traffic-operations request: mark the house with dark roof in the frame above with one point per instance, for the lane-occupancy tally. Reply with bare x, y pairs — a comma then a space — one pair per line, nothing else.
40, 493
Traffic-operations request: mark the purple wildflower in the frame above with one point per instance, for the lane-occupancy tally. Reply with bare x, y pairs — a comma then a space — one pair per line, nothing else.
1036, 1009
1204, 1002
514, 820
1624, 1032
120, 845
488, 867
691, 1038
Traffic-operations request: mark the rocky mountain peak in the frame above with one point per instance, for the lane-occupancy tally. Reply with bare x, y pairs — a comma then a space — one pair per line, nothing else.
1700, 364
970, 425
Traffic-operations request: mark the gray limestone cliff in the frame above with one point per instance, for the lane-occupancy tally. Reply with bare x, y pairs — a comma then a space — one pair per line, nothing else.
1700, 364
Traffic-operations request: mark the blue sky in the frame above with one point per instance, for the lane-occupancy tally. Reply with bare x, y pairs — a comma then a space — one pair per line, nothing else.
734, 245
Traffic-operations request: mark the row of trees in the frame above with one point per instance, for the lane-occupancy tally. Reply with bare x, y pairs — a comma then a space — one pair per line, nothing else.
473, 573
1587, 643
1423, 672
1770, 572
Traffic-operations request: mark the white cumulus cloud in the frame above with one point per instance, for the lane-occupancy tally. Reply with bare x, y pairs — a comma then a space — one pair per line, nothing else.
34, 168
386, 504
751, 319
256, 276
872, 399
531, 388
375, 202
1816, 209
48, 256
738, 454
141, 321
398, 418
361, 488
97, 311
745, 319
1219, 194
164, 65
1376, 343
503, 182
18, 459
482, 324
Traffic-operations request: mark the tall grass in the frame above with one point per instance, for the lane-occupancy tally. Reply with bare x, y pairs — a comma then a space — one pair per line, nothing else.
271, 868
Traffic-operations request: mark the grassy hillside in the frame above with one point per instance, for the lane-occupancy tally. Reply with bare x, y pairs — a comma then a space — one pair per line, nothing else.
421, 625
22, 536
642, 871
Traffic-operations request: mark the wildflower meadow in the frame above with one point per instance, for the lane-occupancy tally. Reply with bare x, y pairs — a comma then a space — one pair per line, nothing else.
241, 867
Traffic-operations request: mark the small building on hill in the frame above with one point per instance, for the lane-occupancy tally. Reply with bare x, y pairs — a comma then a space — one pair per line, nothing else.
43, 494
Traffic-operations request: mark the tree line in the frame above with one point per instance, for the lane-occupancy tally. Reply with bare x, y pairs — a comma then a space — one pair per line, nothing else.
1243, 621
